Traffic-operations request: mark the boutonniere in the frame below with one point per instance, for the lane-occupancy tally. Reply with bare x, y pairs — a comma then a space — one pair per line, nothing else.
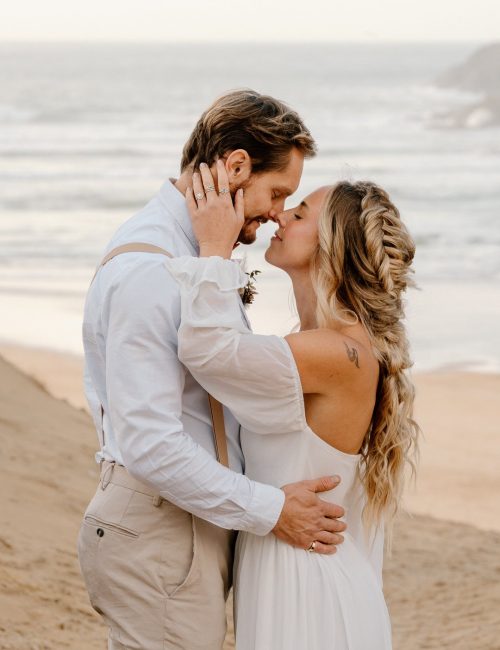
248, 292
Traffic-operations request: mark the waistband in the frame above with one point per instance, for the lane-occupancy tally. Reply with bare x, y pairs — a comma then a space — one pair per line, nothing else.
118, 475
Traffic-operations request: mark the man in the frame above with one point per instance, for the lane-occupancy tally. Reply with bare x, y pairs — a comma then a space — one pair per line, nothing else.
156, 542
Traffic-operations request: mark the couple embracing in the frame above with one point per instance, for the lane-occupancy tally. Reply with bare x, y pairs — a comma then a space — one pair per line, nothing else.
299, 443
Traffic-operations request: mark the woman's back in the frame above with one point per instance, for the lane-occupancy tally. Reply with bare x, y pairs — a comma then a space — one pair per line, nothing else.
316, 601
312, 597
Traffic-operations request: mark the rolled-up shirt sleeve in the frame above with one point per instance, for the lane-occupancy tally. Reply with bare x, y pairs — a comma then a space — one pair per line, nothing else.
144, 384
254, 375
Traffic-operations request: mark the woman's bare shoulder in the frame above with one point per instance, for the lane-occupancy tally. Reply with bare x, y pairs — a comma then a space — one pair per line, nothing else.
327, 357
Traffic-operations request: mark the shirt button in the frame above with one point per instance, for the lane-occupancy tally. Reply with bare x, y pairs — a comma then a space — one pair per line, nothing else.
100, 532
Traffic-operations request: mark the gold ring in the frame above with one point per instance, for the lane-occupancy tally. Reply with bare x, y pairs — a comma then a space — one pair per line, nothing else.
311, 548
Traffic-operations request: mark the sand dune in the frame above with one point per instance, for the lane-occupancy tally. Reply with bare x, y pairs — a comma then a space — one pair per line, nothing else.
46, 478
442, 583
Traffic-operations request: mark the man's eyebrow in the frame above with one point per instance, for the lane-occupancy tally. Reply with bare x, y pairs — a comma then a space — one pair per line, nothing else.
286, 191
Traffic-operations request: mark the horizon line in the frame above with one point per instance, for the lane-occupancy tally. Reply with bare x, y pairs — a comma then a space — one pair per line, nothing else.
83, 41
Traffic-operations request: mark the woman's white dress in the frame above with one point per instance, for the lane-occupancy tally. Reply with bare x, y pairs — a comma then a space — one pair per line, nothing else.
285, 598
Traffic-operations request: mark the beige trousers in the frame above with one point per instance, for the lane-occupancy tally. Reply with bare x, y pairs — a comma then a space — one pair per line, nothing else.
158, 576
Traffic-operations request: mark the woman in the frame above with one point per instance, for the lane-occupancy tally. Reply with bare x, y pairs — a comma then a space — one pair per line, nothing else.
331, 398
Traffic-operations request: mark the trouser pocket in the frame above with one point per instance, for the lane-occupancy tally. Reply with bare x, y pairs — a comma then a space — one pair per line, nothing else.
105, 544
87, 556
134, 556
101, 525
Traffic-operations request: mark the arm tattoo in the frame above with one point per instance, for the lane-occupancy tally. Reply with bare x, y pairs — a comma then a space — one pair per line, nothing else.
352, 353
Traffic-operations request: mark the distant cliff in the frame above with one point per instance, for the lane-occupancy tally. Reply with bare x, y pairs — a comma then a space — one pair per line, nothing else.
480, 73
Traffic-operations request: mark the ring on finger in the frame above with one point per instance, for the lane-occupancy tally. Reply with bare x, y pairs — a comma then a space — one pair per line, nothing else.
199, 196
224, 190
311, 548
210, 188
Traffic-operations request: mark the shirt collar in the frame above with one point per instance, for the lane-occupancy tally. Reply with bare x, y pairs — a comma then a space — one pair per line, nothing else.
173, 200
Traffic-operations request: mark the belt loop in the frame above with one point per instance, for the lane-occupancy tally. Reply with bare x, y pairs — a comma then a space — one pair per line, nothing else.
157, 501
107, 474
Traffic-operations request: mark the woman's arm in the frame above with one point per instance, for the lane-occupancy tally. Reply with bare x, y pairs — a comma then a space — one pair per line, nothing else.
254, 375
260, 378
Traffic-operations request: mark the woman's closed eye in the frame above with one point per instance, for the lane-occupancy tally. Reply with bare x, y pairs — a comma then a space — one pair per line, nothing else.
297, 216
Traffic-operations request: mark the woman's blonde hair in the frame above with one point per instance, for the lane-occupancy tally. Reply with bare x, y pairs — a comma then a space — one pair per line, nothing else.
360, 270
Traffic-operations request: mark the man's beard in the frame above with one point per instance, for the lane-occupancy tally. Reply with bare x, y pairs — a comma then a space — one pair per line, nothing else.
247, 234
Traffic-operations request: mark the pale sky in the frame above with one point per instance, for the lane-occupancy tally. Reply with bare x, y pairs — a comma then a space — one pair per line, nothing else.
253, 20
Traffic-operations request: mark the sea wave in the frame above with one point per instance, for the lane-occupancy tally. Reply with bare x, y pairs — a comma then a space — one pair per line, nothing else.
92, 131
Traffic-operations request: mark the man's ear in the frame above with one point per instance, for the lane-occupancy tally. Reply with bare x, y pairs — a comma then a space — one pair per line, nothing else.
238, 167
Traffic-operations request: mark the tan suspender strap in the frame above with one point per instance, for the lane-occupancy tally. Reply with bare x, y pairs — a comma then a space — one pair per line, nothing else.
216, 410
217, 413
135, 247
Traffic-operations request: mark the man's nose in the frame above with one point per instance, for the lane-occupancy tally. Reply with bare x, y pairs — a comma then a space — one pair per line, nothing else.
279, 205
276, 213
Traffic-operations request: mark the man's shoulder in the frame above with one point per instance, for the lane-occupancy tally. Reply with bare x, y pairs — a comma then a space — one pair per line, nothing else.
135, 287
155, 225
139, 272
148, 225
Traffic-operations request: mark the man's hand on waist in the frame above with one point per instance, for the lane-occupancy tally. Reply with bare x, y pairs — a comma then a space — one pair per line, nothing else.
308, 521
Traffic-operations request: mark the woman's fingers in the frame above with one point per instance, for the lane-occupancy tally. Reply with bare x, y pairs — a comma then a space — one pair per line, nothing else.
222, 180
191, 202
199, 192
214, 216
239, 205
208, 182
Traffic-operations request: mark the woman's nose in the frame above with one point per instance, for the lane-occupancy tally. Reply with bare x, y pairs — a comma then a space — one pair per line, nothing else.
281, 219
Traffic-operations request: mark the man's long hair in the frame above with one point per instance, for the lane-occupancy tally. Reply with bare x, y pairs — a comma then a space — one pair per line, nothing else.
266, 128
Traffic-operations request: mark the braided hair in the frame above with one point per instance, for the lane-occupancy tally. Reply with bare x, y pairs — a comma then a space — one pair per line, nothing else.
360, 270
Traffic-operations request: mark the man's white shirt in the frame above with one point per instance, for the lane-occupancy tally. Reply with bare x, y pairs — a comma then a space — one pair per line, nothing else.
156, 416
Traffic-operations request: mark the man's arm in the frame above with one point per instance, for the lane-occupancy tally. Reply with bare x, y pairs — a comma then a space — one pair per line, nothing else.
144, 391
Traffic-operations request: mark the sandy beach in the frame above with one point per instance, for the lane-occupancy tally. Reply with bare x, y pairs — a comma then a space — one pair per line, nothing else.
442, 582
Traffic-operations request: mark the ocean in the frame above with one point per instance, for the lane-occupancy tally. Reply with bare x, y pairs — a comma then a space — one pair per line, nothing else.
89, 132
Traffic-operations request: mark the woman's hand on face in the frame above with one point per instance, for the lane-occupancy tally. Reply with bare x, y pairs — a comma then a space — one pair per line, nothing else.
216, 220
